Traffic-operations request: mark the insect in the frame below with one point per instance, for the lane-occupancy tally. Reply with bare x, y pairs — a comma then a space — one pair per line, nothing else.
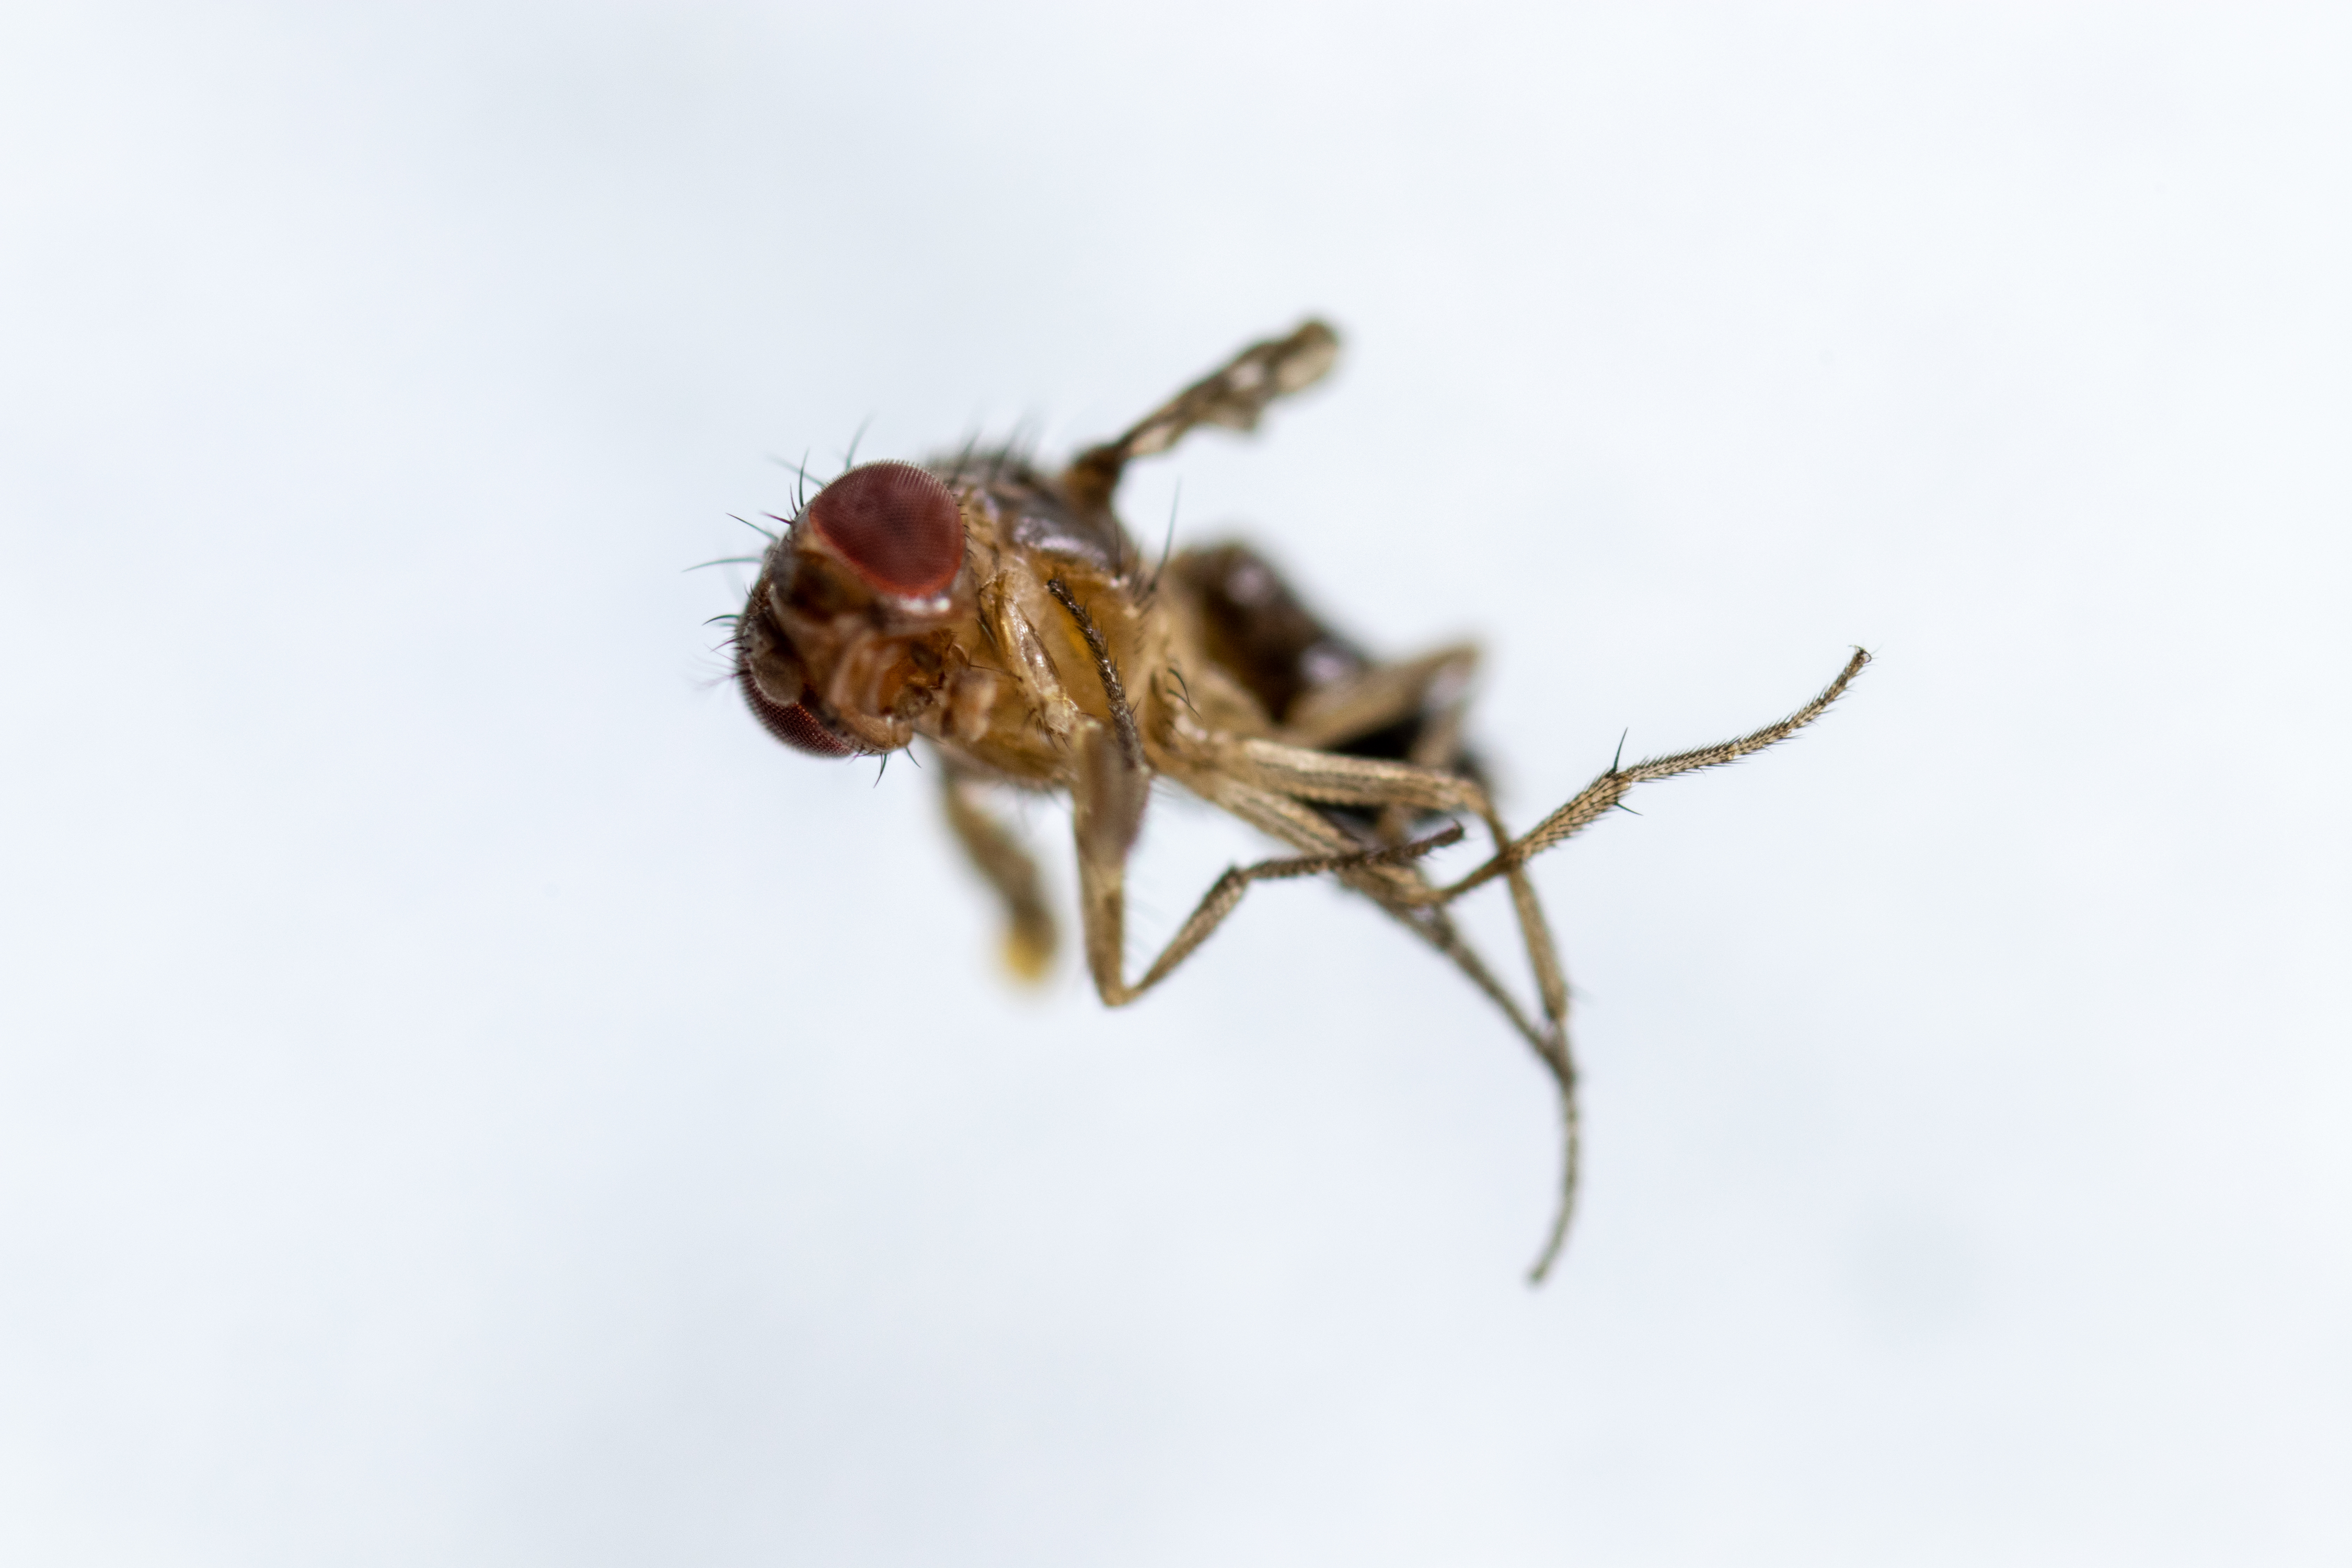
1001, 612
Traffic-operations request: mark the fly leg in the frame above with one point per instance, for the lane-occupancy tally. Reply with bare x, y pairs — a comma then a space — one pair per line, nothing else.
1384, 694
1110, 787
1402, 789
1405, 896
998, 857
1108, 800
1232, 395
1307, 775
1397, 886
1611, 786
1363, 781
1434, 687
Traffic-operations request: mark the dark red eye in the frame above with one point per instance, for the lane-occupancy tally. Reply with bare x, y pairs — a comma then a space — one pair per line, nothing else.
896, 525
795, 725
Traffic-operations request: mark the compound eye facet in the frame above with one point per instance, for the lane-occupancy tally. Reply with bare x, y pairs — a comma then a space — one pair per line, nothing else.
896, 525
792, 723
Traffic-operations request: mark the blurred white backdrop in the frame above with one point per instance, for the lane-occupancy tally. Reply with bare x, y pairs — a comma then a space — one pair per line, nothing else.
467, 1097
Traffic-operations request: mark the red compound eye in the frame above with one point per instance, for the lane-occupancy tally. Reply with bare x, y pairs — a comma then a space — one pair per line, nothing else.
896, 525
795, 726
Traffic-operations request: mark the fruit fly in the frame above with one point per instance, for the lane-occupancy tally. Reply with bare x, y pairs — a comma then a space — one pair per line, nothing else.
1000, 611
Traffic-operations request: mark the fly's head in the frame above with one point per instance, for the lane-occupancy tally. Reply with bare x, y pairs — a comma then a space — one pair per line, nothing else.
848, 637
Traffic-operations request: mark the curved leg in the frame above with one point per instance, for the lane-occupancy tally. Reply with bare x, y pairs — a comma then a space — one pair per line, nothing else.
1108, 799
1403, 894
1232, 395
1295, 774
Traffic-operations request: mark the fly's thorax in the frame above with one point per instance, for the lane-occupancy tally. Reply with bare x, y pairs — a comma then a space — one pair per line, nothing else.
1025, 513
1032, 681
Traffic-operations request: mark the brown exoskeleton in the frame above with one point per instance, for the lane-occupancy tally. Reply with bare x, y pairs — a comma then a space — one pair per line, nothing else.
1002, 613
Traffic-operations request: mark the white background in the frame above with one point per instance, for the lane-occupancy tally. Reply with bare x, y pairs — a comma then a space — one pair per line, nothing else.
467, 1097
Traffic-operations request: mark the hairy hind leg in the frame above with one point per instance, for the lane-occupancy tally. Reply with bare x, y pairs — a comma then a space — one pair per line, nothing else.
1363, 781
1603, 793
1302, 775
